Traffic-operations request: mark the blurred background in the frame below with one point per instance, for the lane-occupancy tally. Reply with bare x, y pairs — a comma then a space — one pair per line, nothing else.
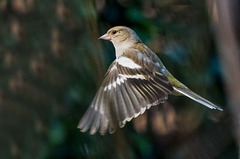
52, 63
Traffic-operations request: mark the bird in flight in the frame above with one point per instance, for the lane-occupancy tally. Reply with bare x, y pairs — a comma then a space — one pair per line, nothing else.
135, 81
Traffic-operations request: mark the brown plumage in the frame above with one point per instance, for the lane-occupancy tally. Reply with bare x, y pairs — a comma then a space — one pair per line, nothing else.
134, 82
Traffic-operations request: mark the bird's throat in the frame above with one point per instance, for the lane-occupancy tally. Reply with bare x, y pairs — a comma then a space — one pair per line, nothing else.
122, 47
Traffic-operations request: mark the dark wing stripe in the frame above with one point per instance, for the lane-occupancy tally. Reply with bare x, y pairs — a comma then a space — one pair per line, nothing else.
124, 106
160, 81
129, 101
115, 106
159, 91
154, 92
114, 103
131, 72
140, 91
118, 105
104, 119
143, 86
162, 86
123, 69
139, 96
155, 96
120, 68
135, 97
121, 107
149, 93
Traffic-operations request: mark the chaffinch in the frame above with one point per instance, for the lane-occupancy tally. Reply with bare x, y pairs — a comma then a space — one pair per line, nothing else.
135, 81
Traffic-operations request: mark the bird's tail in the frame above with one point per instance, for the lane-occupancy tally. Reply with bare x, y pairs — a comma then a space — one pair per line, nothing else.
190, 94
181, 89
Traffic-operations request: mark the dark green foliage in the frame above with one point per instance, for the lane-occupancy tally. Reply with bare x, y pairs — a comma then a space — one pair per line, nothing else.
51, 64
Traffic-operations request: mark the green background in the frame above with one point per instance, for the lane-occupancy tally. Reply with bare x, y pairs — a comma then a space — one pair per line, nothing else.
52, 63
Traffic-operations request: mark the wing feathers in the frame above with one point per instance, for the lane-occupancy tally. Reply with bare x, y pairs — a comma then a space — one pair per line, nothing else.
135, 98
128, 103
121, 107
126, 92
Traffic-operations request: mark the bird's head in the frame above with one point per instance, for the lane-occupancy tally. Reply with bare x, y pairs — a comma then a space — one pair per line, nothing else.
122, 37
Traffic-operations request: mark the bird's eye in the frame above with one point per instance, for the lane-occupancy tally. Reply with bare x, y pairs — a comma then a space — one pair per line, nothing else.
114, 31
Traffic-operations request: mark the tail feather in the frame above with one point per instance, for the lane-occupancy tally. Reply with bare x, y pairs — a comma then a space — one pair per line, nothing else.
190, 94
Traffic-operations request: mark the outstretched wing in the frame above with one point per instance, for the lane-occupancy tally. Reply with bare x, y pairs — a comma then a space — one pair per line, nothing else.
132, 84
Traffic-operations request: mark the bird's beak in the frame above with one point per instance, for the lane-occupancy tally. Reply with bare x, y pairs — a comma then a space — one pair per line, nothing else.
105, 37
